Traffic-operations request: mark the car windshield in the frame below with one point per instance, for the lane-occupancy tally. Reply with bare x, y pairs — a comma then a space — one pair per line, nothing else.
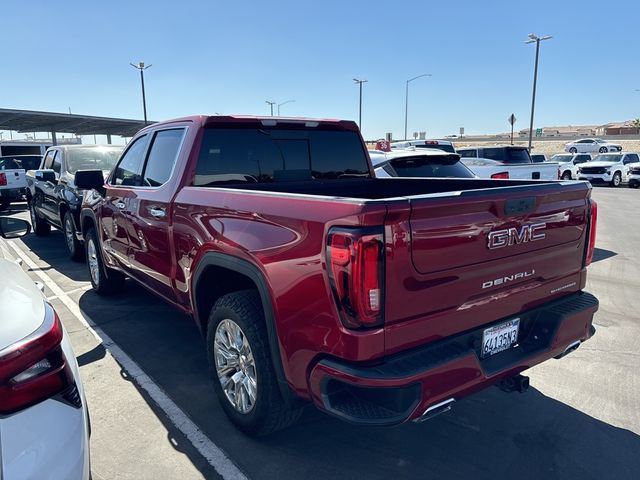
561, 158
431, 166
92, 158
8, 164
607, 158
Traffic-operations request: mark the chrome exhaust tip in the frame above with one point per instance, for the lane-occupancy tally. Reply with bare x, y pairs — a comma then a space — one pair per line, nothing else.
435, 410
571, 348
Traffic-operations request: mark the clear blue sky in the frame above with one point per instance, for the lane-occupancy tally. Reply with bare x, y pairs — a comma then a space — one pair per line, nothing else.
213, 56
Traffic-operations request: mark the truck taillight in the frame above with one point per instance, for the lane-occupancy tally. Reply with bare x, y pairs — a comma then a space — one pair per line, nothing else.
355, 261
34, 368
3, 179
593, 222
501, 175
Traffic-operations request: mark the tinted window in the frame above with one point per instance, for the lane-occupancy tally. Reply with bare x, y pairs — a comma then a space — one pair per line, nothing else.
581, 159
57, 162
538, 158
633, 158
507, 155
29, 162
431, 166
162, 157
8, 164
267, 155
130, 166
48, 160
562, 158
468, 153
92, 158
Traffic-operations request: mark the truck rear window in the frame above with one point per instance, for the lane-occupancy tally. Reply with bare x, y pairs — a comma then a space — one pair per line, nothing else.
260, 155
507, 155
432, 166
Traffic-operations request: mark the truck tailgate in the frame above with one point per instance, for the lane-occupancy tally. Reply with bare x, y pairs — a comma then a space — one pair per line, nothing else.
479, 256
14, 178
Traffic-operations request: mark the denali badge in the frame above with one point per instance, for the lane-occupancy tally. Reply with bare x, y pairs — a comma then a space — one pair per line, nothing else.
513, 236
507, 279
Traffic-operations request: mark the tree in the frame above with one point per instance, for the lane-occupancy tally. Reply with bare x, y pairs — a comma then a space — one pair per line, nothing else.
636, 123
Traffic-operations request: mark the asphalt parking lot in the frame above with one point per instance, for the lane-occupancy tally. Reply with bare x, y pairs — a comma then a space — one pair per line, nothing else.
580, 419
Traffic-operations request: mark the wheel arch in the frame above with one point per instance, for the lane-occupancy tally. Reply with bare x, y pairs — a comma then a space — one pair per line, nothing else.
239, 274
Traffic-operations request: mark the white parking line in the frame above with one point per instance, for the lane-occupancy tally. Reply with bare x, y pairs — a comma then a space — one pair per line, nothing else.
209, 450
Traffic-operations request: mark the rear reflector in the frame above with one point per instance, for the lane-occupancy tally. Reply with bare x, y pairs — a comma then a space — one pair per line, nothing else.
355, 266
593, 224
34, 368
500, 175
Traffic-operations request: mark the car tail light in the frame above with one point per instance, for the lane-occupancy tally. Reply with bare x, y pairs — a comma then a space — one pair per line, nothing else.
3, 179
593, 223
34, 368
355, 261
501, 175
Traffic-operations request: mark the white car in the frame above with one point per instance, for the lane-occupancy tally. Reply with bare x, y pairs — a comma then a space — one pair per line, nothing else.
418, 163
13, 184
611, 168
506, 161
44, 429
444, 145
634, 176
592, 145
568, 164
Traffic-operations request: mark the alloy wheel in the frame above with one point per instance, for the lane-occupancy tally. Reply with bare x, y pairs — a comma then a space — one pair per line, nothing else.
235, 366
92, 260
69, 233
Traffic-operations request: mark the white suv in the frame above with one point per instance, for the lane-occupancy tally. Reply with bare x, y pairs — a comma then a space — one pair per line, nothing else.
611, 168
592, 145
568, 164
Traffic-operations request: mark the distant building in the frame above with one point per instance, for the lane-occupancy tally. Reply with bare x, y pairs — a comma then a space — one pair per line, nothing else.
620, 128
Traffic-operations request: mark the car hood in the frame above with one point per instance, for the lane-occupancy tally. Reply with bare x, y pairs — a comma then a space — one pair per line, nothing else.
23, 308
598, 164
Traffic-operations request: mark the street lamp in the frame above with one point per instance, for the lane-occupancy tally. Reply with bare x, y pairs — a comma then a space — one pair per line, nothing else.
142, 67
284, 103
271, 104
360, 82
406, 100
533, 38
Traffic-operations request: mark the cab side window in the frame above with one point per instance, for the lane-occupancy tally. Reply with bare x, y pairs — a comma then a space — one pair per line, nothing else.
47, 164
128, 172
57, 162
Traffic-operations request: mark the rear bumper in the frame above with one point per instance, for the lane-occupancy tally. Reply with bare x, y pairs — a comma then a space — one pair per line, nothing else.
12, 194
405, 385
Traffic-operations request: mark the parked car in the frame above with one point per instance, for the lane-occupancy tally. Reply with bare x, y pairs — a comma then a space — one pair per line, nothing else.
538, 158
12, 182
419, 163
611, 168
44, 422
634, 176
568, 164
53, 197
506, 161
444, 145
592, 145
379, 300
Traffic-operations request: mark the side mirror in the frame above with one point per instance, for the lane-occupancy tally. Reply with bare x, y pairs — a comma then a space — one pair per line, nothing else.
13, 227
89, 179
45, 176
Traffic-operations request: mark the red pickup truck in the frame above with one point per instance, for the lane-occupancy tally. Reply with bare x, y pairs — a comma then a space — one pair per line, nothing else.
379, 300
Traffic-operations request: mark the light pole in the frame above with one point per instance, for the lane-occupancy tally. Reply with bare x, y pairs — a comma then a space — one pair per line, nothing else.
360, 82
284, 103
271, 104
533, 38
406, 100
142, 67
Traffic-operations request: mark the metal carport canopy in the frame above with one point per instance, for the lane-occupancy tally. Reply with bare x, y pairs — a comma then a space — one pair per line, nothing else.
31, 121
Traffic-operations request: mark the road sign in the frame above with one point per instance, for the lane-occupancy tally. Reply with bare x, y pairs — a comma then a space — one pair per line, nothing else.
512, 119
538, 132
461, 131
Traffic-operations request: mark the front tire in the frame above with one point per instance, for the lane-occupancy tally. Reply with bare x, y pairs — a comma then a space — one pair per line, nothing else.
616, 180
104, 280
74, 247
40, 226
240, 361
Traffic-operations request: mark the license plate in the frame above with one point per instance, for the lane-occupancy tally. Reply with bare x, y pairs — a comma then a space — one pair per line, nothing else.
500, 337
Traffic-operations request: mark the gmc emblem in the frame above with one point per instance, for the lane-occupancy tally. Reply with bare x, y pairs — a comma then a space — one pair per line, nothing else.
514, 236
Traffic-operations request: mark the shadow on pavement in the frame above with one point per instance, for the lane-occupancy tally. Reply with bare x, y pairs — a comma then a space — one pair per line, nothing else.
51, 249
489, 435
602, 254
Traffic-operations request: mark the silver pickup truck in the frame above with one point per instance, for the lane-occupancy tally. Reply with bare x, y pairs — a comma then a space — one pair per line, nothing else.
506, 161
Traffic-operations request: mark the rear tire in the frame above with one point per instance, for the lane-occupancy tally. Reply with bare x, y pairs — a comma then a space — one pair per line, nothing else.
74, 247
104, 280
40, 226
248, 360
573, 150
566, 175
603, 150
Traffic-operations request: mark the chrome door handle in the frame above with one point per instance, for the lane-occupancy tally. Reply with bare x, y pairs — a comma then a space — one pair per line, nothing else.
120, 205
157, 212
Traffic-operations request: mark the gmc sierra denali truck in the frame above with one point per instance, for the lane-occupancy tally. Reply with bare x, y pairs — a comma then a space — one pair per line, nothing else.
380, 300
